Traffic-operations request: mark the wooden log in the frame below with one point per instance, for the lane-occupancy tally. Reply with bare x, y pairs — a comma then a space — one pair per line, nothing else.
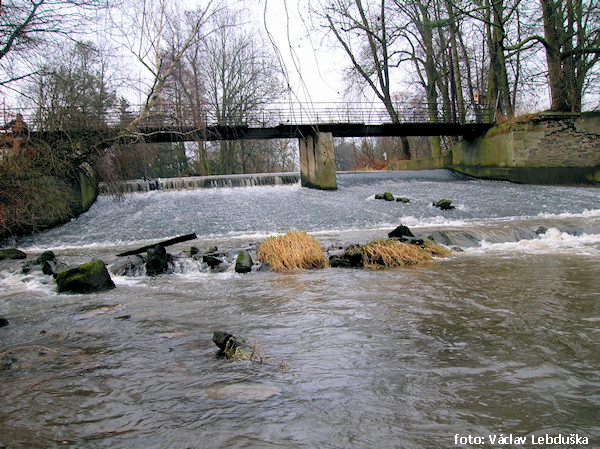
173, 241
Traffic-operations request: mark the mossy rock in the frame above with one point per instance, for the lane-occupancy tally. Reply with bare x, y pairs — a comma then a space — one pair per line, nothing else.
443, 204
87, 278
385, 196
12, 253
243, 263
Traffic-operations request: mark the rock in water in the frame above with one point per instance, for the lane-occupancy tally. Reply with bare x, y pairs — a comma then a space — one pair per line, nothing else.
351, 258
157, 260
213, 258
243, 263
443, 204
46, 256
53, 267
12, 253
226, 342
127, 266
400, 232
384, 196
87, 278
440, 237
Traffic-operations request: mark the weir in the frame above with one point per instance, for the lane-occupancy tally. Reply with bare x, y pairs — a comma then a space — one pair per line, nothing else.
205, 182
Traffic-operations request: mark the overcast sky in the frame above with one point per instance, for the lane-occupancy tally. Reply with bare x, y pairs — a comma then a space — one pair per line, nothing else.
314, 68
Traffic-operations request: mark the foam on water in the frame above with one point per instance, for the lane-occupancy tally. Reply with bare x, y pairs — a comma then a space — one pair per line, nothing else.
552, 242
17, 283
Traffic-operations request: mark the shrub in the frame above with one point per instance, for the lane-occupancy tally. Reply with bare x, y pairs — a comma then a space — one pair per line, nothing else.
292, 251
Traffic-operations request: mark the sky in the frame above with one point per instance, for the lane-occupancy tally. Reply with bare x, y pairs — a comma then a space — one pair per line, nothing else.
314, 68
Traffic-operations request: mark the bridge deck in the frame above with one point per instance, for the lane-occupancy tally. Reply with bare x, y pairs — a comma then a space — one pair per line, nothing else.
286, 131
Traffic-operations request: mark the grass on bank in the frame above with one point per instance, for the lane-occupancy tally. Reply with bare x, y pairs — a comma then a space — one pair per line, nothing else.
292, 251
381, 254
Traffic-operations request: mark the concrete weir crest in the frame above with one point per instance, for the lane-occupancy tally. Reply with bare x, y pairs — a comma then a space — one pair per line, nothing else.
317, 163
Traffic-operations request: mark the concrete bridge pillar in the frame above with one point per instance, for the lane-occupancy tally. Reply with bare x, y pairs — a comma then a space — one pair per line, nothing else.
317, 165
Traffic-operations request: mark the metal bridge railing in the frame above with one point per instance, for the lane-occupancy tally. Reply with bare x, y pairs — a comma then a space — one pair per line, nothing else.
170, 116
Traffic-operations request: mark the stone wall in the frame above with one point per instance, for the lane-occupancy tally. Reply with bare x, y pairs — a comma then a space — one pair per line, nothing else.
549, 149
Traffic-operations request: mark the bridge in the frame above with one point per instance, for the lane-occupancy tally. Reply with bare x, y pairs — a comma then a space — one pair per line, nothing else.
289, 121
313, 124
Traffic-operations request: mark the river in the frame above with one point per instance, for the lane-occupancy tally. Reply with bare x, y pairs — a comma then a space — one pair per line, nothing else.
497, 342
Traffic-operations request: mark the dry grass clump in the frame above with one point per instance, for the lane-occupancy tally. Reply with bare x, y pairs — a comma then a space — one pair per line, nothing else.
435, 250
247, 352
292, 251
393, 253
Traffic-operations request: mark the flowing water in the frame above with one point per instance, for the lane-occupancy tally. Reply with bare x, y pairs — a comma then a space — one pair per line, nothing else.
497, 342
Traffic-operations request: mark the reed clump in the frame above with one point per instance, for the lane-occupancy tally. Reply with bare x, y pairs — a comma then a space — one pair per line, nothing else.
292, 251
381, 254
435, 250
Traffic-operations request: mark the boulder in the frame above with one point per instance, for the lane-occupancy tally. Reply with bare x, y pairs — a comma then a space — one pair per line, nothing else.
401, 232
443, 204
47, 263
12, 253
53, 267
571, 230
3, 322
385, 196
413, 241
127, 266
46, 256
440, 237
213, 259
402, 199
264, 266
466, 240
157, 260
243, 263
87, 278
523, 234
352, 257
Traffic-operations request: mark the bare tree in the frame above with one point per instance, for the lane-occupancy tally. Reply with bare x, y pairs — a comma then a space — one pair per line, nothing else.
30, 26
572, 43
72, 93
241, 78
157, 45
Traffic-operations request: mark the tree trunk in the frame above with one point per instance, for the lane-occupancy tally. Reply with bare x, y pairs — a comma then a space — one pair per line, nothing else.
498, 97
557, 76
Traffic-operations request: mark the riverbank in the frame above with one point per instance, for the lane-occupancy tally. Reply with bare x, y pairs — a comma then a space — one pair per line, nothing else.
40, 189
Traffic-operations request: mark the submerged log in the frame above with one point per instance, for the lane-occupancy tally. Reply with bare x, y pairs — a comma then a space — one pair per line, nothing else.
173, 241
